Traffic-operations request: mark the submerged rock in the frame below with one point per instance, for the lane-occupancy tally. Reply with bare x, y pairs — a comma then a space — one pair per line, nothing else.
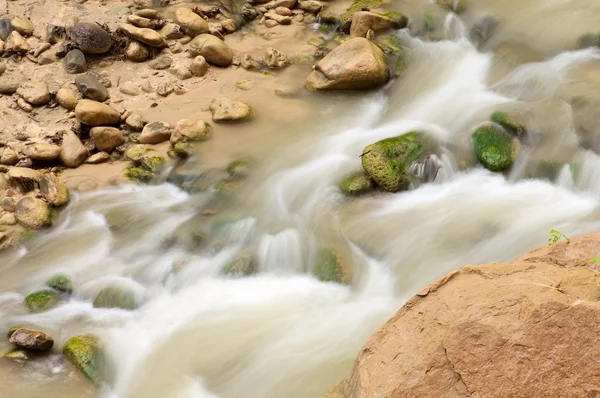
86, 354
33, 213
41, 300
32, 340
243, 264
139, 175
275, 59
54, 190
90, 38
226, 110
213, 49
493, 147
356, 184
387, 161
60, 283
152, 163
513, 125
115, 297
328, 267
19, 355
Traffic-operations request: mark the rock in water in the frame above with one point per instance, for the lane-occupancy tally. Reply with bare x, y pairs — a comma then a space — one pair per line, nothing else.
42, 151
146, 36
107, 138
94, 113
91, 88
90, 38
155, 133
513, 125
19, 355
75, 62
190, 130
363, 21
34, 92
54, 190
356, 184
72, 153
493, 147
387, 161
213, 49
86, 354
32, 340
114, 297
243, 264
191, 23
274, 58
41, 300
226, 110
328, 267
356, 64
60, 283
33, 213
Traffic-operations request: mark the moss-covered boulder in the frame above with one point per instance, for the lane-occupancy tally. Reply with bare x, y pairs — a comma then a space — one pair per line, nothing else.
390, 44
86, 354
356, 184
139, 175
328, 267
387, 161
181, 150
152, 163
42, 300
511, 123
243, 265
356, 6
493, 147
115, 297
60, 283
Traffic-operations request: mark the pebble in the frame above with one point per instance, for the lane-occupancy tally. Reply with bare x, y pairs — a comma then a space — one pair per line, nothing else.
164, 89
33, 213
137, 52
229, 25
90, 87
311, 6
9, 157
160, 63
289, 4
24, 105
226, 110
75, 62
22, 24
5, 28
34, 92
135, 121
8, 219
100, 157
67, 98
55, 192
274, 58
176, 47
7, 203
147, 86
248, 62
199, 66
129, 88
148, 13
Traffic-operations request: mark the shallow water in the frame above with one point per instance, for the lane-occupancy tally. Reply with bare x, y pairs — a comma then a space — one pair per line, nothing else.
282, 333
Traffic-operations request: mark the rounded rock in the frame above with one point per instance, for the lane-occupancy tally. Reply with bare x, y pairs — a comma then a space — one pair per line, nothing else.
155, 133
90, 87
42, 151
213, 49
34, 92
54, 190
137, 52
33, 213
22, 24
90, 38
191, 23
107, 138
75, 62
226, 110
67, 98
95, 113
190, 130
72, 152
32, 340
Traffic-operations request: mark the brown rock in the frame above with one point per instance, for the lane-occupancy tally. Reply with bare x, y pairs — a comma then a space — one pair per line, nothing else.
148, 13
521, 329
269, 23
199, 66
171, 31
107, 138
7, 203
72, 152
95, 113
286, 12
23, 179
213, 49
22, 24
160, 63
16, 43
362, 21
54, 190
226, 110
135, 121
191, 23
42, 151
9, 157
24, 105
274, 58
10, 83
228, 25
67, 98
155, 133
248, 63
280, 19
34, 92
146, 36
33, 213
182, 72
137, 52
141, 22
311, 6
190, 130
97, 158
32, 340
290, 4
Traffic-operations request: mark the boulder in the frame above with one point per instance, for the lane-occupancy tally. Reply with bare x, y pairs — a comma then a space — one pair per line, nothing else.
527, 328
60, 283
90, 87
363, 21
41, 300
22, 24
42, 151
493, 147
137, 52
388, 161
226, 110
275, 59
146, 36
94, 113
72, 153
191, 23
190, 130
34, 92
67, 98
355, 64
213, 49
199, 66
86, 354
33, 213
54, 190
75, 62
23, 178
90, 38
511, 123
115, 297
155, 133
32, 340
107, 138
357, 183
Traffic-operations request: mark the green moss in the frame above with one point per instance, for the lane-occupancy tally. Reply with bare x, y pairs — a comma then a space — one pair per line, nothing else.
302, 60
135, 152
428, 22
243, 264
86, 354
589, 40
183, 149
226, 188
510, 123
357, 5
238, 169
458, 6
244, 84
326, 27
356, 184
266, 72
152, 163
390, 44
28, 235
60, 283
493, 147
328, 267
19, 355
400, 20
387, 161
41, 300
317, 42
329, 17
115, 297
137, 174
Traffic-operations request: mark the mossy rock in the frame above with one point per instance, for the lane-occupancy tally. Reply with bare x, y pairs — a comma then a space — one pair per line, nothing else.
458, 6
588, 40
390, 44
428, 23
357, 5
387, 161
243, 265
357, 183
317, 42
238, 169
183, 149
227, 188
86, 354
115, 297
152, 163
139, 175
60, 283
493, 147
19, 355
400, 20
135, 152
329, 17
42, 300
326, 27
512, 124
328, 267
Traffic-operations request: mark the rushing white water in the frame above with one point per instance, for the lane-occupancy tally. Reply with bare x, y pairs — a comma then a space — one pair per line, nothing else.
283, 333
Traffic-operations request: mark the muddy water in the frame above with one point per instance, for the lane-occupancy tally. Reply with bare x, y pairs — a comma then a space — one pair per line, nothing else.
282, 333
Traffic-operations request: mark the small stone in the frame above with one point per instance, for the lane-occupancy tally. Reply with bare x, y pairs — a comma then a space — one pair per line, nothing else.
5, 28
148, 13
95, 113
213, 49
107, 138
289, 4
90, 87
9, 157
9, 83
182, 72
33, 213
54, 190
161, 63
90, 38
141, 22
7, 203
191, 23
155, 133
275, 59
248, 62
19, 355
199, 66
8, 219
164, 89
24, 105
229, 25
97, 158
34, 92
137, 52
73, 153
171, 31
60, 283
48, 57
42, 151
146, 36
16, 43
269, 23
190, 130
147, 86
22, 24
356, 184
226, 110
135, 121
67, 98
75, 62
129, 88
280, 19
32, 340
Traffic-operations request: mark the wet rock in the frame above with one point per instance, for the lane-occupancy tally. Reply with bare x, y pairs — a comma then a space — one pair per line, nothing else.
243, 264
141, 22
42, 151
115, 297
34, 92
274, 58
511, 123
75, 62
311, 6
171, 31
199, 66
16, 43
23, 178
8, 219
160, 63
22, 24
97, 158
280, 19
387, 161
164, 89
129, 88
213, 49
135, 152
137, 52
138, 175
19, 355
148, 13
32, 340
181, 150
458, 6
54, 33
248, 62
60, 283
155, 133
190, 130
5, 28
493, 147
95, 113
588, 40
484, 29
90, 38
135, 121
90, 87
229, 25
67, 98
9, 157
152, 163
328, 267
107, 138
86, 354
355, 64
9, 83
33, 213
355, 184
191, 23
363, 21
226, 110
329, 17
249, 13
146, 36
72, 153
